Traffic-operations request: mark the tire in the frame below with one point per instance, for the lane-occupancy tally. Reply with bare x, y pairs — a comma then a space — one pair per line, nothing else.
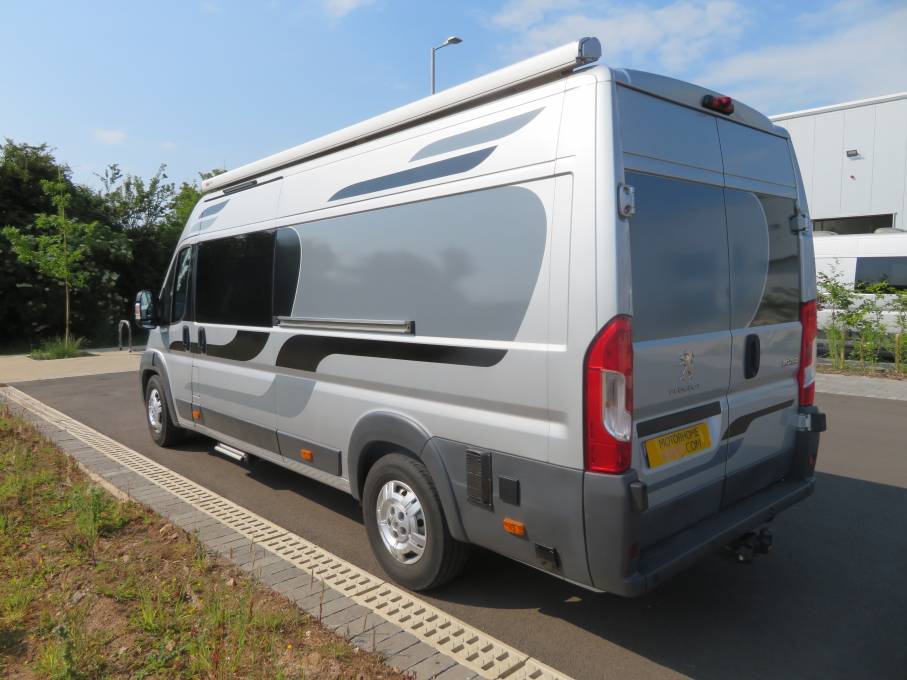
390, 487
164, 431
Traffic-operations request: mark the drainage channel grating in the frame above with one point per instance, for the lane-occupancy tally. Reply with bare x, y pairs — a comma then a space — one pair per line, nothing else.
469, 646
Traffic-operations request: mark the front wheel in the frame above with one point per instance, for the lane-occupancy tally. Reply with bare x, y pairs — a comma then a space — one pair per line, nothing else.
163, 430
406, 526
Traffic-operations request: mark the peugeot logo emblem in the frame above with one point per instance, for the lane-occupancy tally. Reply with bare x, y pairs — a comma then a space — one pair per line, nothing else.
686, 363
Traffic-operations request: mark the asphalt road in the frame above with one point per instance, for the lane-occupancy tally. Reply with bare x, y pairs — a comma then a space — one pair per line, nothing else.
829, 602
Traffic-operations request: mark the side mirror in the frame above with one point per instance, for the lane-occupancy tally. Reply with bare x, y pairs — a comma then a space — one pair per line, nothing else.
147, 310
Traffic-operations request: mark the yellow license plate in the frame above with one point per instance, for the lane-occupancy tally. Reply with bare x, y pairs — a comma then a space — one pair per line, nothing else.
667, 448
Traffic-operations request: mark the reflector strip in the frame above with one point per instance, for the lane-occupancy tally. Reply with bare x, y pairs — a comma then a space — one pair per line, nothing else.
485, 655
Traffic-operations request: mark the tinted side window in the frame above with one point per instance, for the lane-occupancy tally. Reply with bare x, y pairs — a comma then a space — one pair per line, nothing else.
181, 283
890, 270
679, 258
234, 280
286, 270
460, 266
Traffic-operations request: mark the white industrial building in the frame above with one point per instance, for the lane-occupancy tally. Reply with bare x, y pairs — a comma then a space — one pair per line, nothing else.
853, 158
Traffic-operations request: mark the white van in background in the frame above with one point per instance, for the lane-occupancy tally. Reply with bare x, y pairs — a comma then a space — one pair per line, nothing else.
563, 311
859, 260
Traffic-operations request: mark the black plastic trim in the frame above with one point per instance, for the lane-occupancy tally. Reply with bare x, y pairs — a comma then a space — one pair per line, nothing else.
324, 458
740, 425
674, 420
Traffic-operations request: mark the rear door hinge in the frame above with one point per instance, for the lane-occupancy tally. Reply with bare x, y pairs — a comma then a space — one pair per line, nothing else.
798, 221
626, 200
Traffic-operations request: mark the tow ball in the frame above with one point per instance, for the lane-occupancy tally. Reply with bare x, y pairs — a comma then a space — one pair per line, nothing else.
745, 548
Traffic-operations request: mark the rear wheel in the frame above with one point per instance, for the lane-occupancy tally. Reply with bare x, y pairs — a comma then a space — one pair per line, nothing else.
406, 526
163, 430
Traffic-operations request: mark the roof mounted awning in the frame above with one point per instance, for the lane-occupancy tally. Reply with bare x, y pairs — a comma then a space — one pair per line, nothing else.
561, 60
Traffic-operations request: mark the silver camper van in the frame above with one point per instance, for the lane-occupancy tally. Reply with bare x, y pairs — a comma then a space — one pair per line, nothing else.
565, 312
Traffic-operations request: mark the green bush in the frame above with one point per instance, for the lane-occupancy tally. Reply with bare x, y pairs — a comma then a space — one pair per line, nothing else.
857, 316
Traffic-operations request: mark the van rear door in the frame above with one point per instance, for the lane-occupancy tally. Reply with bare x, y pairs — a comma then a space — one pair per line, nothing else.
681, 309
761, 197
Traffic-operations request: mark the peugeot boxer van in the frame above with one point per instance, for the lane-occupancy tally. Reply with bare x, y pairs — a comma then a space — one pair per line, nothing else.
564, 312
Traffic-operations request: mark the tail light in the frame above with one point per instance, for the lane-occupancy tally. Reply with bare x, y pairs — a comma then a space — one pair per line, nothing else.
608, 412
806, 377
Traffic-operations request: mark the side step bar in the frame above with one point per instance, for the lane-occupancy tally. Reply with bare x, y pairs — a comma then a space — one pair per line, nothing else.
230, 452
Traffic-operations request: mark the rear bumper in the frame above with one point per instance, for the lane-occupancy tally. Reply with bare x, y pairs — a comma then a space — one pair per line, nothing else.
613, 524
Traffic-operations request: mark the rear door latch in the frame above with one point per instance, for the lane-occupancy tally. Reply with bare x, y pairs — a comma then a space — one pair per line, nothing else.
626, 200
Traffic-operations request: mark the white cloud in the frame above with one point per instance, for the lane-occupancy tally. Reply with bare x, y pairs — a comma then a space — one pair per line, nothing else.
340, 8
673, 36
109, 135
521, 14
847, 50
865, 59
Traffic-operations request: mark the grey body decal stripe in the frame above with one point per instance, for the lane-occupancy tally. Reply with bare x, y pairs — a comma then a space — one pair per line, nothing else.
213, 210
423, 173
480, 135
306, 352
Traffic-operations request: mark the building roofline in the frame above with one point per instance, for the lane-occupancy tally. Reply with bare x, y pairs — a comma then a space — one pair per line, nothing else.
839, 107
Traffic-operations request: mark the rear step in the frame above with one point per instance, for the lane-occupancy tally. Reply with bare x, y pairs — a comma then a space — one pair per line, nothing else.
230, 452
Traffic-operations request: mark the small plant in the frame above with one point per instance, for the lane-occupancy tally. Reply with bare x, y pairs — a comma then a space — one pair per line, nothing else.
55, 659
60, 348
898, 305
868, 322
839, 299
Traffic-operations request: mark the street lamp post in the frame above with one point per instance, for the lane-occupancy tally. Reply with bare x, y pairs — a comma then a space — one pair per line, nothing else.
452, 40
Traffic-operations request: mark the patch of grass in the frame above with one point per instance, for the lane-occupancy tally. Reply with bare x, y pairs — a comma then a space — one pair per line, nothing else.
91, 587
60, 348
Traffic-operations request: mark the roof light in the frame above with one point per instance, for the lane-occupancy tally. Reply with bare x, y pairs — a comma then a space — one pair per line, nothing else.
718, 103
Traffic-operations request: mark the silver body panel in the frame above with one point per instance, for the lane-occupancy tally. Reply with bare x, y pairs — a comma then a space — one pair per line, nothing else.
452, 275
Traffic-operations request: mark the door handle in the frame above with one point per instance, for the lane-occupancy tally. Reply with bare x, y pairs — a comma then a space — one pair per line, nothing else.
186, 338
752, 356
202, 341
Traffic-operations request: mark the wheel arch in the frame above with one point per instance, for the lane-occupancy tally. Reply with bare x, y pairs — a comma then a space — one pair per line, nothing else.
152, 364
382, 432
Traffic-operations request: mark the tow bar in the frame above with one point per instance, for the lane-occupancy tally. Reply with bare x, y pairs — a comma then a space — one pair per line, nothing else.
745, 548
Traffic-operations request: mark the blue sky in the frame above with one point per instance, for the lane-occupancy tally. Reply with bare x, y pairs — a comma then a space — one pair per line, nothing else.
198, 84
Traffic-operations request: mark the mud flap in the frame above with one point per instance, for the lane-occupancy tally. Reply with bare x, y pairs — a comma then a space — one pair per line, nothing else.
806, 451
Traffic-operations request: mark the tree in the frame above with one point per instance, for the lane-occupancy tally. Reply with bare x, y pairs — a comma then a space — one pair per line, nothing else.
58, 246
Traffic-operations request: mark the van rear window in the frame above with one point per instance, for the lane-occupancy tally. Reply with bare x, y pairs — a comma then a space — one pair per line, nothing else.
679, 258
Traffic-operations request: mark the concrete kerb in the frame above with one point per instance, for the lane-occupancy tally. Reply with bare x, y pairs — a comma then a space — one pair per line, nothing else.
362, 626
861, 386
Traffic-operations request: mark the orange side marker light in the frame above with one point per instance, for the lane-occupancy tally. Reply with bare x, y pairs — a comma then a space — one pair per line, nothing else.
306, 454
515, 527
196, 414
